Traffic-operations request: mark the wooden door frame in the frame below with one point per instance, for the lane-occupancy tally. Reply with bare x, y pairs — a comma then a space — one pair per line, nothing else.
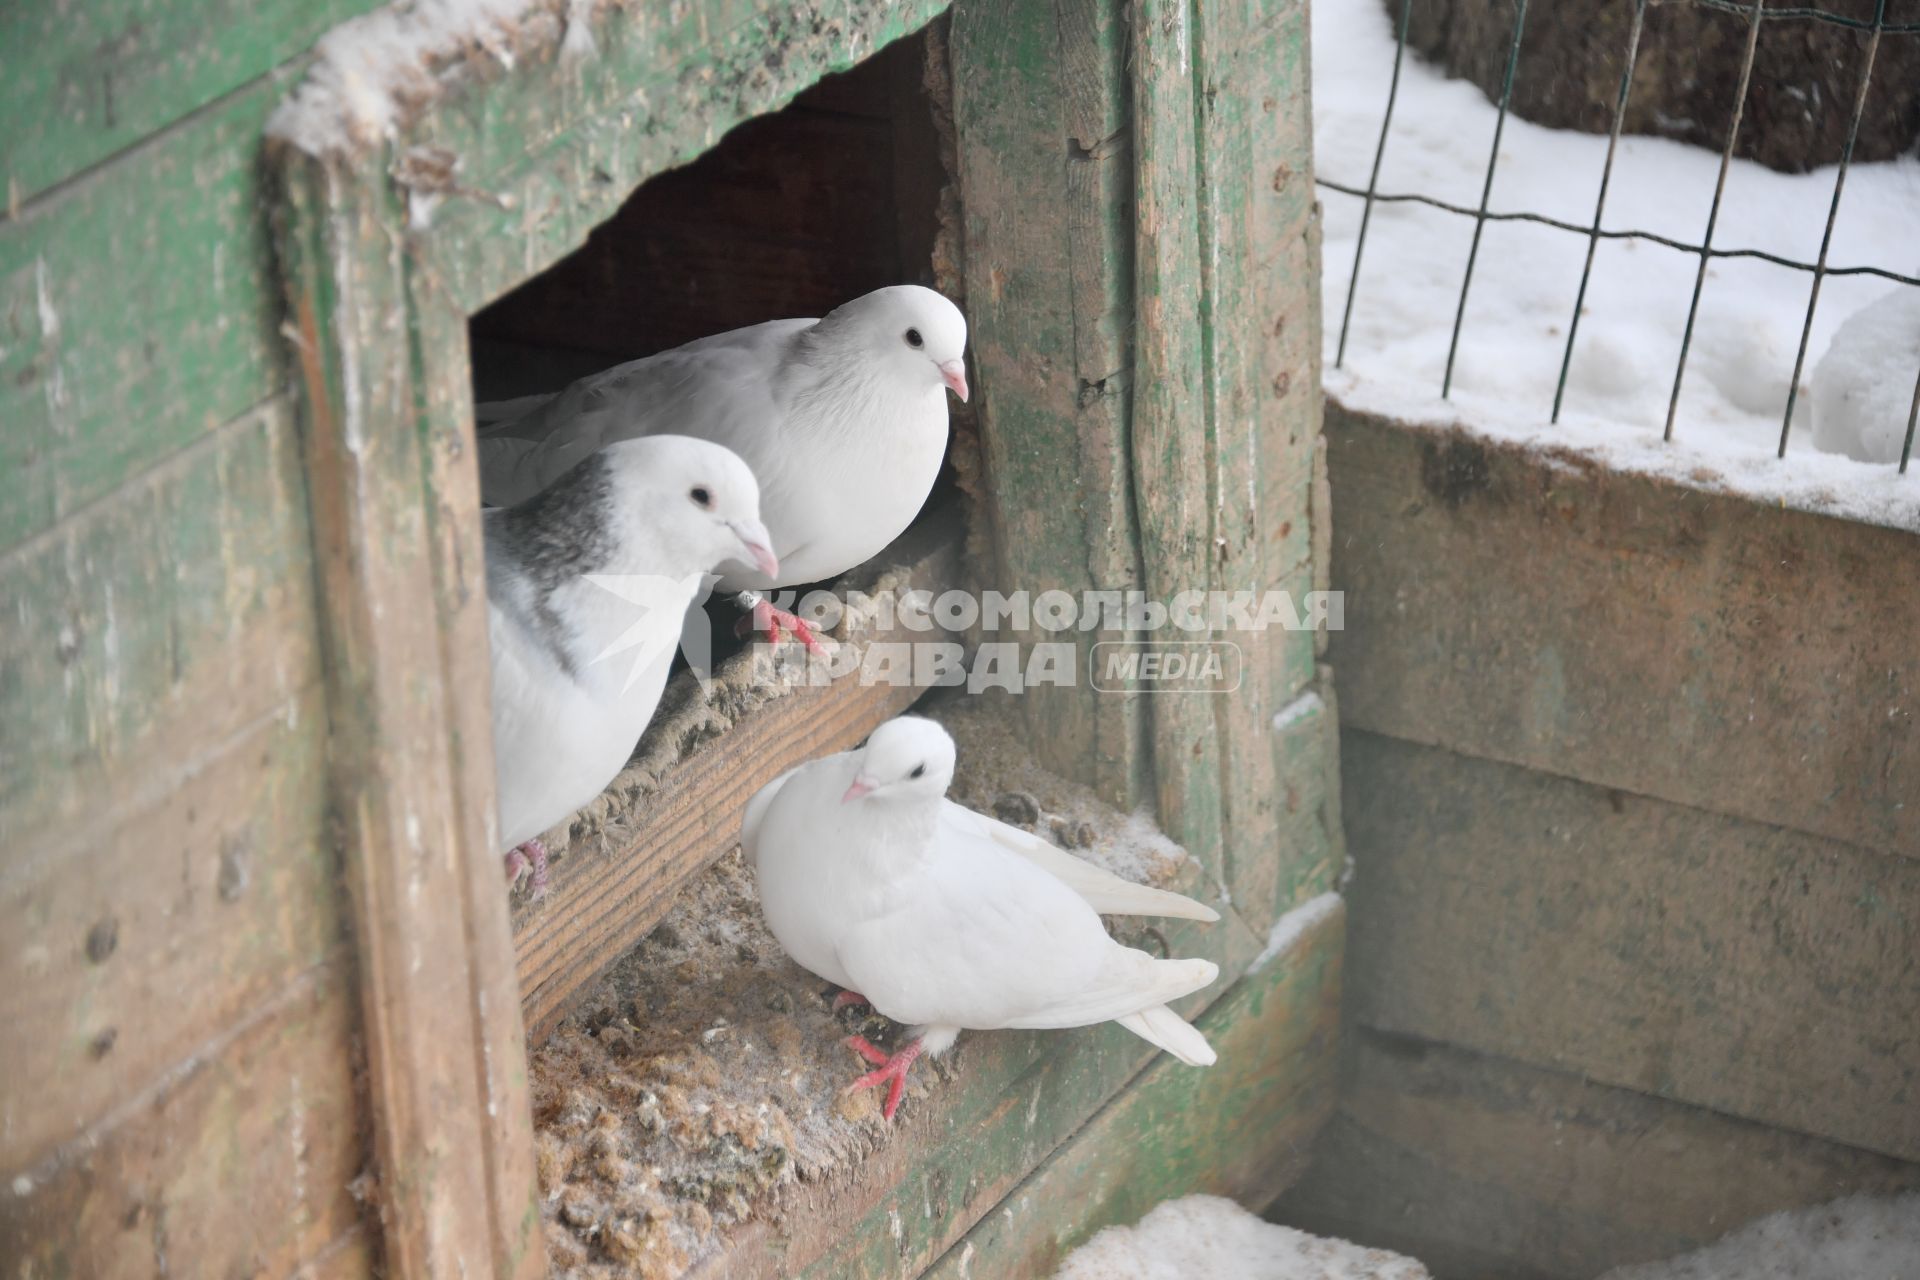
1105, 338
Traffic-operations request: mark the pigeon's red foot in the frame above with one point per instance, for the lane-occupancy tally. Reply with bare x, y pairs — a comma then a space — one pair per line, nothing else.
892, 1072
846, 998
775, 624
529, 859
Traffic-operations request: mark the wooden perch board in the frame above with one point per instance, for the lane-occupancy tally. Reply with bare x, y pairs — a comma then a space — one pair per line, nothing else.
1050, 1136
607, 895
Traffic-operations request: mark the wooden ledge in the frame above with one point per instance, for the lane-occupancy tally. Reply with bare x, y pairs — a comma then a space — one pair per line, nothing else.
1042, 1138
691, 1120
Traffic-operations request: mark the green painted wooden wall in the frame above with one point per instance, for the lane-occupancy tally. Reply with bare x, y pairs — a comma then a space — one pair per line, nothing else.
200, 669
177, 983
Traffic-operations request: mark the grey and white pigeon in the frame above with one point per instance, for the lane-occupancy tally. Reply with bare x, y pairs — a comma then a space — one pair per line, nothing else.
843, 420
946, 920
587, 585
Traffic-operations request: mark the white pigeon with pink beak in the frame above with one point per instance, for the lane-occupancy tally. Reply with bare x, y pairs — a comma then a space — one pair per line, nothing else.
843, 420
944, 919
587, 586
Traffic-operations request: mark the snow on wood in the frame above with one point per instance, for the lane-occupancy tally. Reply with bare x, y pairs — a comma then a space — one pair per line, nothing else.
1210, 1238
1292, 926
1857, 1238
1297, 710
368, 74
1527, 275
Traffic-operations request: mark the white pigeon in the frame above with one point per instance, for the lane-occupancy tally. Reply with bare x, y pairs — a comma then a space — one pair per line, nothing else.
945, 920
843, 420
587, 585
1863, 386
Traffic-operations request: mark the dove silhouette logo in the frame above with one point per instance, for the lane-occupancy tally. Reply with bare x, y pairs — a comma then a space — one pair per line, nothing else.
659, 617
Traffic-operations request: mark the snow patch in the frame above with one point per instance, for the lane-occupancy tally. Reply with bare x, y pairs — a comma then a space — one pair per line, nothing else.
1210, 1238
1526, 277
368, 72
1289, 928
1857, 409
1297, 710
1857, 1238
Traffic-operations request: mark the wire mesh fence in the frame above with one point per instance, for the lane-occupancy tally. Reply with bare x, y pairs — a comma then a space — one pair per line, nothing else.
1754, 14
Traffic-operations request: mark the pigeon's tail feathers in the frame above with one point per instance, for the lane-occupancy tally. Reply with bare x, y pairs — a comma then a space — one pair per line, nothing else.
1163, 1027
757, 812
1107, 893
1128, 982
495, 412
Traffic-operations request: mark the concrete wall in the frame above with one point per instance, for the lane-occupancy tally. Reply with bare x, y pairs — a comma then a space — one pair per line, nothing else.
1631, 778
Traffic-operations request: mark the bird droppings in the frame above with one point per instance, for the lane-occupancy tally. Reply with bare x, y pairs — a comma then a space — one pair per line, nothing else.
698, 1078
698, 1085
1018, 809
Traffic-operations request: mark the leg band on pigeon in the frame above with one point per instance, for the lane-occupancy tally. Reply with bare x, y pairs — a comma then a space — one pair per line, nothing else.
892, 1070
775, 622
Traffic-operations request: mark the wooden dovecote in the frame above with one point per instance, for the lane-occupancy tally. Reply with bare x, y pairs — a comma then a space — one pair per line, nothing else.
1131, 223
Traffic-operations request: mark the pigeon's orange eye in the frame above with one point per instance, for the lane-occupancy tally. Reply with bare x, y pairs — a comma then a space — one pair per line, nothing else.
914, 339
702, 498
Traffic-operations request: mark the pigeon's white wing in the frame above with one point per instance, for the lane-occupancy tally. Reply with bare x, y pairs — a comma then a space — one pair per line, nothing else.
1106, 893
1163, 1027
723, 389
497, 412
990, 940
1129, 981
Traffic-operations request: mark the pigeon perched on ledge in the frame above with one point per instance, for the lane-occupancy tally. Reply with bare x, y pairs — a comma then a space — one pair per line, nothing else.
588, 583
843, 420
945, 920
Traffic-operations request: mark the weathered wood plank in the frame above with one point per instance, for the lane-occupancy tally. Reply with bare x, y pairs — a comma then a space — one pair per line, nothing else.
137, 314
565, 142
147, 929
396, 521
1169, 439
149, 630
1054, 451
457, 555
1308, 839
1695, 646
1480, 1166
237, 1162
1014, 1097
1755, 970
1260, 275
83, 82
1241, 1128
607, 895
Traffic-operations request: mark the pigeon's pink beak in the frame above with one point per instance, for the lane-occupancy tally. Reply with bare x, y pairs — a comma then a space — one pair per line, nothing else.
859, 788
759, 544
954, 374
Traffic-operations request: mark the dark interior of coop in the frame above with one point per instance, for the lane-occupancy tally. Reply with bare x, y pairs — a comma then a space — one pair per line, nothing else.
789, 214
